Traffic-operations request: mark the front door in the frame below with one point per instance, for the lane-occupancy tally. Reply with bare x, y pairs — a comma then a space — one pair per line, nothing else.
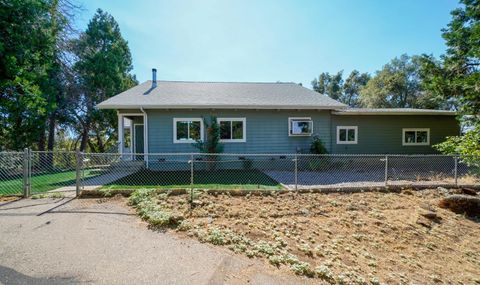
138, 140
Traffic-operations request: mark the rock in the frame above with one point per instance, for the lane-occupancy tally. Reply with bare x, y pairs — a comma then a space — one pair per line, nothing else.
461, 204
305, 212
469, 191
432, 216
443, 190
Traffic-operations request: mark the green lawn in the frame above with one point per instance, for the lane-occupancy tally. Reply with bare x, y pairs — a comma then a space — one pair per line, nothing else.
41, 182
217, 179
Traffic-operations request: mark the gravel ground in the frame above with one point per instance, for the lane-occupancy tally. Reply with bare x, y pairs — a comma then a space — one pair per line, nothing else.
352, 179
78, 241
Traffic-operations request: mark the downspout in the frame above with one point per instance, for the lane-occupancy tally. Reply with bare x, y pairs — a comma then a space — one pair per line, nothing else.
145, 135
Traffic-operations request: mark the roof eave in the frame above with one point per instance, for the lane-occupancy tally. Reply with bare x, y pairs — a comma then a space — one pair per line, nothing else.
247, 107
406, 113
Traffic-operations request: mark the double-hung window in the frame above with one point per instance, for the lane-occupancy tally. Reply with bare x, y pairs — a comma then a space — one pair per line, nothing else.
187, 130
416, 137
300, 126
347, 134
232, 129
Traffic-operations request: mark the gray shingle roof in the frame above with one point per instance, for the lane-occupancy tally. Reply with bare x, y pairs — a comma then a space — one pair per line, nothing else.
392, 111
228, 95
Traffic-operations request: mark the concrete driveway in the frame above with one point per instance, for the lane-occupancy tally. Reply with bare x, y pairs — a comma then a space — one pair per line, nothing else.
78, 241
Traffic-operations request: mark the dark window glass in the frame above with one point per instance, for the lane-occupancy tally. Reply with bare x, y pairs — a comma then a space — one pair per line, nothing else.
237, 130
182, 130
343, 135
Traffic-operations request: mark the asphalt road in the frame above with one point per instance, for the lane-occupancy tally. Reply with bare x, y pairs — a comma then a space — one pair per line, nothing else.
94, 241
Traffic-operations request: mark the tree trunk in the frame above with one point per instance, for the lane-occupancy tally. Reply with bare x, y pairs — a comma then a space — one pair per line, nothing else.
51, 138
86, 130
41, 141
51, 130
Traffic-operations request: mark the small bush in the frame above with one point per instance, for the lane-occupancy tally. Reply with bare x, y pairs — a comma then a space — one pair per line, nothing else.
302, 268
317, 146
323, 272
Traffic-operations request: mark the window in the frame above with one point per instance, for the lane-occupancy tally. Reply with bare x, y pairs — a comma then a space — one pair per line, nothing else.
347, 134
416, 136
187, 130
232, 129
300, 126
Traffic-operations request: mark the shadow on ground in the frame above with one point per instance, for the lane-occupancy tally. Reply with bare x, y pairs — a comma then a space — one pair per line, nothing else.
10, 276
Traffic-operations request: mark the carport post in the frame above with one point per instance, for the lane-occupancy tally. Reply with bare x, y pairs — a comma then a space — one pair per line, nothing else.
26, 174
456, 170
296, 172
78, 169
386, 170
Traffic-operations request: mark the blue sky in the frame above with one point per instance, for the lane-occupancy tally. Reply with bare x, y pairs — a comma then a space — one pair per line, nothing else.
271, 40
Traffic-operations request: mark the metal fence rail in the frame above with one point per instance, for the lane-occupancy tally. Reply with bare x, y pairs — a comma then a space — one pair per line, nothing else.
32, 172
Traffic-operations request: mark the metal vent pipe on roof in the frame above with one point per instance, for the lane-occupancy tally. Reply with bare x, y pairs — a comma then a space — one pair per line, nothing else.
154, 77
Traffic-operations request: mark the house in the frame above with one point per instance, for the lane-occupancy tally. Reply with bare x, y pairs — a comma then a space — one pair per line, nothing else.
168, 116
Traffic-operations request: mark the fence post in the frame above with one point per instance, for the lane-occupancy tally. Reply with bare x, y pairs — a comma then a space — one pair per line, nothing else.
26, 174
456, 171
386, 170
78, 169
191, 180
296, 172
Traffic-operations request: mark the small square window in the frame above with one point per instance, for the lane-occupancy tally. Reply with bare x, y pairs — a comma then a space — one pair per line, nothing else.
187, 130
232, 129
413, 137
347, 134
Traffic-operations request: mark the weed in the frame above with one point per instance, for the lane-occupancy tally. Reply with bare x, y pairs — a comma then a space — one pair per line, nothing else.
324, 273
52, 195
302, 268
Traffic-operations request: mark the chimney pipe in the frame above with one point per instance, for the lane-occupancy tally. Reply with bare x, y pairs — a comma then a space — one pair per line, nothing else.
154, 77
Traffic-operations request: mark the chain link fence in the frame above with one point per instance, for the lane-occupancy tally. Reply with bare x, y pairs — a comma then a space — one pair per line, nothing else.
33, 172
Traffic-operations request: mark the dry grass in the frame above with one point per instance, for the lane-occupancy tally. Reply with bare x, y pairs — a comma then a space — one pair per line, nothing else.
362, 238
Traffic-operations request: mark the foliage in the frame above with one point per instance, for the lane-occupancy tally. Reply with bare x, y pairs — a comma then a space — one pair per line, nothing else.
456, 76
103, 70
352, 86
25, 47
344, 91
398, 85
211, 144
467, 146
330, 85
317, 146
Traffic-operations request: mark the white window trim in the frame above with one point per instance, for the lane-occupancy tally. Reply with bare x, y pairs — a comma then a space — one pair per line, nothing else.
175, 120
415, 130
244, 122
290, 119
347, 128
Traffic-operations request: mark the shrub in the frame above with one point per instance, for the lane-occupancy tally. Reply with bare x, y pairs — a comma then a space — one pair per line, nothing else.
302, 268
323, 272
467, 146
317, 146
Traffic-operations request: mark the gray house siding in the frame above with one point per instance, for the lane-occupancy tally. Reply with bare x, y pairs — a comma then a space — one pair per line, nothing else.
266, 130
382, 134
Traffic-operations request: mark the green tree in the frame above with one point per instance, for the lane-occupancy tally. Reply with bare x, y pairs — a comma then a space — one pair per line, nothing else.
24, 51
336, 88
398, 85
103, 70
456, 76
330, 85
352, 86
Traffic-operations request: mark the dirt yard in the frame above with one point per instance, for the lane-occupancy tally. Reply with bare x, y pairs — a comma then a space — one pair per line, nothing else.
361, 238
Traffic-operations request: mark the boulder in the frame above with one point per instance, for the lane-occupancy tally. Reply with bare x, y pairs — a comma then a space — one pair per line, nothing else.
461, 204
